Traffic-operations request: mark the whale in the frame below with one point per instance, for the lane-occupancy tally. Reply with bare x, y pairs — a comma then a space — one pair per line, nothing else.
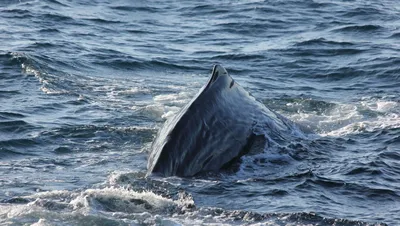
215, 129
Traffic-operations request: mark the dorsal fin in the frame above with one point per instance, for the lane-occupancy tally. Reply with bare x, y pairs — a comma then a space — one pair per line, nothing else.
217, 71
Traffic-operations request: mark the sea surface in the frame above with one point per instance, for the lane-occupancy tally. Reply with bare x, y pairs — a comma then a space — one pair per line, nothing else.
86, 84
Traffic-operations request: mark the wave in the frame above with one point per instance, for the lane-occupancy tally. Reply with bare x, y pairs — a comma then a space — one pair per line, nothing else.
293, 105
254, 29
118, 205
360, 28
55, 2
6, 153
203, 9
18, 143
393, 141
103, 21
385, 67
14, 58
390, 155
8, 93
15, 126
56, 17
345, 73
139, 31
8, 115
351, 190
268, 9
130, 63
255, 57
50, 30
17, 13
362, 12
322, 52
323, 42
147, 8
395, 35
91, 138
48, 71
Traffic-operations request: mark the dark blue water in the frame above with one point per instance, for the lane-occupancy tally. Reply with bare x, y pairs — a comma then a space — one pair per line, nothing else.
85, 85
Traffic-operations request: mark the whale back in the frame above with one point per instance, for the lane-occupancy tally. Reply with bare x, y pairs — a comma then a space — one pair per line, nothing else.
214, 128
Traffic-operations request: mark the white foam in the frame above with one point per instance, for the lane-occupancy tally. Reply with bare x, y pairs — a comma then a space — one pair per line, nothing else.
170, 104
381, 105
122, 199
152, 110
165, 97
169, 112
14, 211
178, 99
123, 178
52, 91
92, 202
133, 90
29, 70
42, 222
369, 114
49, 194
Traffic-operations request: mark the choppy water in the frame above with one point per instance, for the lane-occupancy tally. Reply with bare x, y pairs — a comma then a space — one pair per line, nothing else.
85, 85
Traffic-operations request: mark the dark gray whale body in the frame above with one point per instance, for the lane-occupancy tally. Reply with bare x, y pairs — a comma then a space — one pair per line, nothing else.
218, 126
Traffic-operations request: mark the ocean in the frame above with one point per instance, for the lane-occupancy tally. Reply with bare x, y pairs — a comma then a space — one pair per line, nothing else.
85, 86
